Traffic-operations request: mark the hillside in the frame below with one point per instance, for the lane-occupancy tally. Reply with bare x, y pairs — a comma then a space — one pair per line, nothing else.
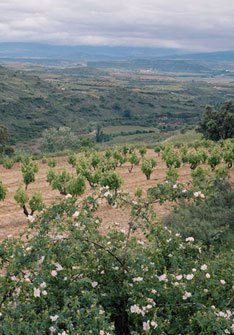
34, 98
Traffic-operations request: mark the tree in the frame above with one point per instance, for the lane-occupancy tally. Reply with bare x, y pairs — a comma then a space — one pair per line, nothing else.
216, 125
58, 139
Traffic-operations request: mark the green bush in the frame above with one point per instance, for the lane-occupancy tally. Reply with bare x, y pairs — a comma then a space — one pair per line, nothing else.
209, 221
28, 169
112, 180
3, 191
8, 163
147, 167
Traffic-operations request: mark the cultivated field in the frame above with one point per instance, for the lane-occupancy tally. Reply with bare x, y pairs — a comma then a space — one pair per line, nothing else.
13, 221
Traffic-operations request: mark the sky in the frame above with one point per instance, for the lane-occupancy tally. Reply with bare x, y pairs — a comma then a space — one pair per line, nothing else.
199, 25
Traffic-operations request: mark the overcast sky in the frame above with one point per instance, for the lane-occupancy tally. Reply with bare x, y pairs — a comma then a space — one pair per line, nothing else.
186, 24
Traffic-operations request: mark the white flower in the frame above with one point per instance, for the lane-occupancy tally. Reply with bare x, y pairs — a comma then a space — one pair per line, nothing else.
146, 326
76, 214
36, 292
194, 270
207, 275
94, 284
184, 191
135, 309
149, 306
199, 194
175, 186
52, 329
222, 282
179, 277
63, 333
54, 273
189, 276
101, 332
44, 292
13, 278
31, 218
186, 295
43, 285
54, 318
153, 291
163, 278
68, 196
189, 239
41, 260
58, 267
107, 194
204, 267
154, 324
137, 279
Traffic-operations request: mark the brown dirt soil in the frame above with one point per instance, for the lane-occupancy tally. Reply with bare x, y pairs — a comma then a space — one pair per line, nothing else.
13, 221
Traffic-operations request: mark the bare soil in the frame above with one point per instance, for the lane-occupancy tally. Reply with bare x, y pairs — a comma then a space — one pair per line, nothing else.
13, 221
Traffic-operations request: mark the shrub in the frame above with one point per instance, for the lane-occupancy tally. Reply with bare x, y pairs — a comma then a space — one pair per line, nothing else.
51, 162
133, 160
8, 163
3, 191
29, 169
148, 166
210, 221
112, 180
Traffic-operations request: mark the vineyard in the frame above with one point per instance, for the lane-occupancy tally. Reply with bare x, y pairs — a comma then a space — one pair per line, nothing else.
106, 242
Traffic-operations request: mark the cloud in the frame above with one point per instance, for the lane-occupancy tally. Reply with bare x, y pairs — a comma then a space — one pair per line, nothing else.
185, 24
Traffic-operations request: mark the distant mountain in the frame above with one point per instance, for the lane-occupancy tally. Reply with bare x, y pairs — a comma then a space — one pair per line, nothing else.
21, 51
209, 56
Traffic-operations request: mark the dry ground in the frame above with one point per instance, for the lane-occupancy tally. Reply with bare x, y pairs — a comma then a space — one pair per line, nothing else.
13, 221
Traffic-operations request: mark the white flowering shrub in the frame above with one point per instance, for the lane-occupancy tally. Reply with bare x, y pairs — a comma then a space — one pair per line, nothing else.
66, 277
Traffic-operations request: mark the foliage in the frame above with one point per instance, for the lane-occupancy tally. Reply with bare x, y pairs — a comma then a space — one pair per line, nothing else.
3, 191
142, 151
58, 139
51, 162
21, 196
8, 163
209, 221
28, 169
112, 180
65, 183
133, 160
117, 283
148, 166
214, 159
216, 125
3, 137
